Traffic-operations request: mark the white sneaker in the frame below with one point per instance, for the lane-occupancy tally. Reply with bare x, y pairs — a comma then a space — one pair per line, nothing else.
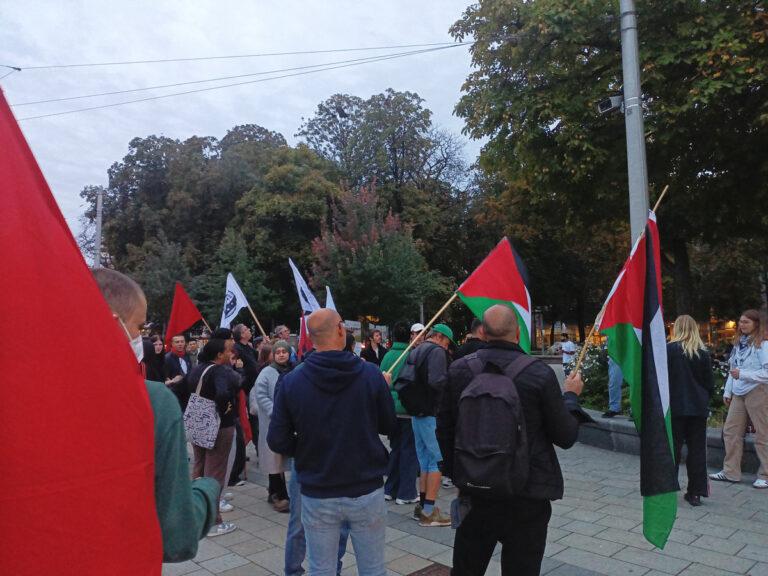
446, 482
225, 506
227, 496
387, 497
412, 501
760, 483
221, 529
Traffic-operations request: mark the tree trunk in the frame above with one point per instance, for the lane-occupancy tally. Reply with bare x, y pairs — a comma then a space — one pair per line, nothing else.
681, 276
580, 315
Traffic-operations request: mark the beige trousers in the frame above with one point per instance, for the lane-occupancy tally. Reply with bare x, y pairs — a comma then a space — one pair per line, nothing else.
754, 404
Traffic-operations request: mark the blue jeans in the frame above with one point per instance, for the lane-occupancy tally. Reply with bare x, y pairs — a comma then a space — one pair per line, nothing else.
295, 543
427, 449
615, 380
403, 468
323, 519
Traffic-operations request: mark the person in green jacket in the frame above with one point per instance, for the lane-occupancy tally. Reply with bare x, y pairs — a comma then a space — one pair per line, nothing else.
403, 468
186, 509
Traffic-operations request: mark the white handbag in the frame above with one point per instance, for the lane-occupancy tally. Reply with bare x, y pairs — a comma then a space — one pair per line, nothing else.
201, 419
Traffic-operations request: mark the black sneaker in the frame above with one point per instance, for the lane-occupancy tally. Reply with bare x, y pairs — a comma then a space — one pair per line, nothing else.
692, 499
610, 414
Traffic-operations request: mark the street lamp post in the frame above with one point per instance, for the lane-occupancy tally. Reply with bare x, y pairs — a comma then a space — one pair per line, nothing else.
633, 118
97, 236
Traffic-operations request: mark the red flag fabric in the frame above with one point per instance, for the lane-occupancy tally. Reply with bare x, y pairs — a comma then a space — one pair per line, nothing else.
242, 413
184, 314
305, 342
77, 449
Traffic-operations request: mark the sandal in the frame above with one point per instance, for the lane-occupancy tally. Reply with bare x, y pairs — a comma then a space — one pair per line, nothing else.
721, 477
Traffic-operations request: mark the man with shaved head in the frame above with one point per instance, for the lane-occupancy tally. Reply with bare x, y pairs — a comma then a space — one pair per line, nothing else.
328, 414
551, 418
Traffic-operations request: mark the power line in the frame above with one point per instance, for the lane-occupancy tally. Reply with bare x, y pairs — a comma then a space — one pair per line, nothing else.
258, 55
302, 73
174, 85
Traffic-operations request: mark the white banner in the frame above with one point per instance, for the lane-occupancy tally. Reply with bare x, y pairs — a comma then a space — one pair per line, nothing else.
329, 303
234, 301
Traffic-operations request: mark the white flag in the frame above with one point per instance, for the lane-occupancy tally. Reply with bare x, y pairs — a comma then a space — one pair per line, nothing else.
234, 301
329, 303
306, 297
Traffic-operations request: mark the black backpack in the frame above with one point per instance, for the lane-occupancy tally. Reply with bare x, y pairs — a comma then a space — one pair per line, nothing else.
491, 446
411, 385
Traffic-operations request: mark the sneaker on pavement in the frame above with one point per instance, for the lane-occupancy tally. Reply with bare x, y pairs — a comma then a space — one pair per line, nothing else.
400, 501
280, 505
228, 496
240, 483
610, 414
221, 529
417, 512
225, 506
721, 477
435, 519
387, 497
760, 483
446, 482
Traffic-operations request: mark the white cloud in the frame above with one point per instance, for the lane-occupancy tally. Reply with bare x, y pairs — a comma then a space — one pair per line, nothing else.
76, 150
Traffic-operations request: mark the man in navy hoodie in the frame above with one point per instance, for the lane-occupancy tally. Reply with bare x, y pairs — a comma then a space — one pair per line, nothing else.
328, 415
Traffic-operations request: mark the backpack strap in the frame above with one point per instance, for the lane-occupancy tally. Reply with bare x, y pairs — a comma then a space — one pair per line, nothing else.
518, 365
200, 382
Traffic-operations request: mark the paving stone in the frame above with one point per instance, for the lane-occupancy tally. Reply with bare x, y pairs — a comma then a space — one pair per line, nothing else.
760, 569
553, 548
249, 569
420, 546
702, 570
623, 512
273, 559
207, 549
707, 557
590, 544
554, 534
548, 565
444, 558
274, 534
583, 528
747, 537
618, 522
701, 527
228, 540
256, 523
737, 523
408, 563
723, 545
584, 515
557, 521
222, 563
251, 546
680, 536
759, 553
625, 537
569, 570
599, 564
201, 572
650, 559
179, 568
393, 534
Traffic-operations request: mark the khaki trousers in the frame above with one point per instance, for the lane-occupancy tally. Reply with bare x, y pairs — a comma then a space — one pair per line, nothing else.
754, 404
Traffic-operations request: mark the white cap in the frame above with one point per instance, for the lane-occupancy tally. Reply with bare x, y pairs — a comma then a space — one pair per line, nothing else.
418, 327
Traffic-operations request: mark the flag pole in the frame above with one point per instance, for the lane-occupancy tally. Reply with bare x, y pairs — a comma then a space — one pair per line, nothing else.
599, 316
432, 321
261, 329
206, 324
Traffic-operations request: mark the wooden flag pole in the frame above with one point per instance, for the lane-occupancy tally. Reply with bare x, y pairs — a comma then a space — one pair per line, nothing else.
432, 321
602, 310
206, 324
261, 329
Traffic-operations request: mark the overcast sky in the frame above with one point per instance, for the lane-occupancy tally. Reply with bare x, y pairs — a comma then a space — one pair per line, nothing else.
75, 150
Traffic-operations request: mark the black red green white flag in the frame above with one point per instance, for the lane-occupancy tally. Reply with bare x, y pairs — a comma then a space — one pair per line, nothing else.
500, 279
633, 322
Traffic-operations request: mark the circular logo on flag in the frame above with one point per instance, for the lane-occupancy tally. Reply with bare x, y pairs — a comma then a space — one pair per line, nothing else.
230, 303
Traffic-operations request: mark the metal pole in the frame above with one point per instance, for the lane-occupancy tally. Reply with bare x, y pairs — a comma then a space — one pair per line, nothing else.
97, 237
633, 118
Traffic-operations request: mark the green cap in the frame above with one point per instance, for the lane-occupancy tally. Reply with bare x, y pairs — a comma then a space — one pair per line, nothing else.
445, 330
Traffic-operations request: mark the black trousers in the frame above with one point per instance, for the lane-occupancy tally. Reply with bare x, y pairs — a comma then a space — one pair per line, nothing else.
239, 463
692, 431
519, 524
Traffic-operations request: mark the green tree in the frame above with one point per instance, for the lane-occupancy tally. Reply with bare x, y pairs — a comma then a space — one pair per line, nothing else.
370, 260
232, 256
540, 68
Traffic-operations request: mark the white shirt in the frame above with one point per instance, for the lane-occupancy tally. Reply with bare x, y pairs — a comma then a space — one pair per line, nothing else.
569, 351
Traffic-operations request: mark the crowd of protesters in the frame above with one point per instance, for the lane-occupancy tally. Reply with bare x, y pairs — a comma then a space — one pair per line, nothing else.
321, 419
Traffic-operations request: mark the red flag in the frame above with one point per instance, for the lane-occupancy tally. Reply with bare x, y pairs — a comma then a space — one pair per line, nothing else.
77, 450
305, 342
184, 314
242, 413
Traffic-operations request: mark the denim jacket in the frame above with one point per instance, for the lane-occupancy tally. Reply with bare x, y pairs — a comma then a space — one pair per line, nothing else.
753, 370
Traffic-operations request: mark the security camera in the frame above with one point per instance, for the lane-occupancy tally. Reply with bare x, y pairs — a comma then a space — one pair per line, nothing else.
610, 104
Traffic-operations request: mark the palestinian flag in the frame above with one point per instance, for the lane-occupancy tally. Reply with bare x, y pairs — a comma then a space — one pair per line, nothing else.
632, 320
500, 279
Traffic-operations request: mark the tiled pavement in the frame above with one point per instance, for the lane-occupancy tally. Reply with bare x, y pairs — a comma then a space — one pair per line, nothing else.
595, 529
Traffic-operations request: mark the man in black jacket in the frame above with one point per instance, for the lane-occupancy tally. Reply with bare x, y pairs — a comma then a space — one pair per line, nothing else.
474, 342
176, 366
519, 523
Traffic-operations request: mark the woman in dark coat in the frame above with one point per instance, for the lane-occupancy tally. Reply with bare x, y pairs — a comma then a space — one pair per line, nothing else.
691, 383
154, 355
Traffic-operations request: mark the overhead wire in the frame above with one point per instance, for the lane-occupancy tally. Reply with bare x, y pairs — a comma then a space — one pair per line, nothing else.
301, 73
257, 55
220, 78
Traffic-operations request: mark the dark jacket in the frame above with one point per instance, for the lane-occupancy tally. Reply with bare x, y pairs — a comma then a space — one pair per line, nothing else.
691, 382
471, 345
171, 369
431, 363
369, 354
328, 413
251, 367
153, 363
221, 384
548, 418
